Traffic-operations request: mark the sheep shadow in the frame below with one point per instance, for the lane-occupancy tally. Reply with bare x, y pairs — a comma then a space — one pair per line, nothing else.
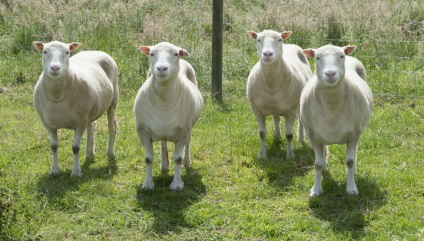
280, 171
54, 187
168, 206
346, 213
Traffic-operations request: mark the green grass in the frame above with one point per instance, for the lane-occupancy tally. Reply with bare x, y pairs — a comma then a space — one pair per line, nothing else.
229, 194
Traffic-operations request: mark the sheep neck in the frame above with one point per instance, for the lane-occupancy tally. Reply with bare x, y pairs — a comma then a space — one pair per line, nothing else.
56, 89
165, 90
273, 73
333, 98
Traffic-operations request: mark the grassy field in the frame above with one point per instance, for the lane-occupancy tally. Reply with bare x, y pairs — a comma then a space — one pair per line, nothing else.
229, 194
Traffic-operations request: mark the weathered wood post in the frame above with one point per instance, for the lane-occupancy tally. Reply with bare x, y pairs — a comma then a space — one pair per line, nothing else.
217, 32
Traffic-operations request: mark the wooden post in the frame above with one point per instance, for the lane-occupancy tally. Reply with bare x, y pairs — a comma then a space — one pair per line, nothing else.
217, 32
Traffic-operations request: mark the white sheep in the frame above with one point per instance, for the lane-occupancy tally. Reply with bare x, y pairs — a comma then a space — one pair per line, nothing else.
166, 108
335, 107
73, 92
275, 83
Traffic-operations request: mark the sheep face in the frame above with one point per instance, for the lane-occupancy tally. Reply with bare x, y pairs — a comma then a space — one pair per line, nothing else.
330, 62
56, 57
164, 59
269, 44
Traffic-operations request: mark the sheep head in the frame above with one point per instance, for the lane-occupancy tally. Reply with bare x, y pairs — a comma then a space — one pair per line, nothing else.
56, 57
164, 59
330, 62
269, 44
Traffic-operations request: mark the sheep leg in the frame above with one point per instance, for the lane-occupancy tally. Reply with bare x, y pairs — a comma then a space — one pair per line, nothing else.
186, 160
89, 150
54, 145
262, 136
301, 137
289, 135
164, 154
319, 166
146, 141
112, 126
78, 133
177, 183
351, 150
277, 133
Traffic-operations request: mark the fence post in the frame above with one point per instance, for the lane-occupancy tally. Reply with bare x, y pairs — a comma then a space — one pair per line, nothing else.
217, 32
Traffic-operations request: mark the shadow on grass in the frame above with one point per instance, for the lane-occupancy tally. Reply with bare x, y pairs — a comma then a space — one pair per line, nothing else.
168, 206
347, 214
280, 171
56, 186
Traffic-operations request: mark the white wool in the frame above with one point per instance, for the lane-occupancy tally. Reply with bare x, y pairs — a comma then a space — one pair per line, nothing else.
335, 108
72, 92
166, 108
275, 83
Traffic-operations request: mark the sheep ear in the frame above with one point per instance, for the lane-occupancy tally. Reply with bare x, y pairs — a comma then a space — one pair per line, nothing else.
73, 46
183, 53
38, 45
309, 53
286, 34
145, 50
252, 34
349, 49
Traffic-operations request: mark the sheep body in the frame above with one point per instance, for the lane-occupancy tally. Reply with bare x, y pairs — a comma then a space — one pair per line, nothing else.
335, 108
275, 83
73, 92
166, 108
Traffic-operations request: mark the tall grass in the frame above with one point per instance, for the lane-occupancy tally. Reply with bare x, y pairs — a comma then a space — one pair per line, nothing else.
229, 194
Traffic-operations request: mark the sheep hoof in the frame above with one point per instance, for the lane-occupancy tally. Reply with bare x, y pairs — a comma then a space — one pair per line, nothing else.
54, 171
89, 155
111, 157
290, 155
76, 173
177, 186
315, 191
262, 155
148, 184
352, 190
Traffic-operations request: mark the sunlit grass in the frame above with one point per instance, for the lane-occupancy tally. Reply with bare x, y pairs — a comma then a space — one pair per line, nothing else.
229, 194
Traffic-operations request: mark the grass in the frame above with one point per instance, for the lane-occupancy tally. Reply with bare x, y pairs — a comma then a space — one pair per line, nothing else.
229, 194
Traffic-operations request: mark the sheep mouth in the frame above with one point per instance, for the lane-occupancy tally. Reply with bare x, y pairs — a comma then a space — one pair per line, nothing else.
162, 74
267, 60
331, 81
54, 73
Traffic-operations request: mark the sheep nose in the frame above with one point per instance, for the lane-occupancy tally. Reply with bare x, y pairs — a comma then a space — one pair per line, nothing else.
162, 68
330, 73
55, 67
268, 53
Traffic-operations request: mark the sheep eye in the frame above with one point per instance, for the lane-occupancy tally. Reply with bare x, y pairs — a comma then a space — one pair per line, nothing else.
176, 54
44, 52
259, 40
318, 58
67, 52
279, 40
342, 56
152, 55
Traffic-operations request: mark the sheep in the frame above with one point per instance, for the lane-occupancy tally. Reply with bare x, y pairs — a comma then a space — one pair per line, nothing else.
73, 92
335, 107
275, 83
166, 108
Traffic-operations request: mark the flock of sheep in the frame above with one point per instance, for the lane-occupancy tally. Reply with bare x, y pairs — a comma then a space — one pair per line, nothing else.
334, 104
